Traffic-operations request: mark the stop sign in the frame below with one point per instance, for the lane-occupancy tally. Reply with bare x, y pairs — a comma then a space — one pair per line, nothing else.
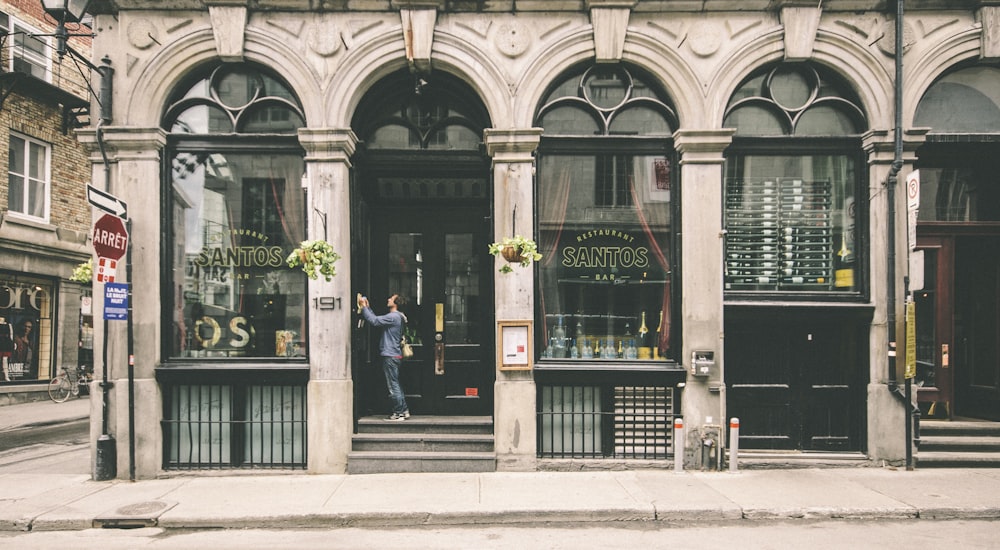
110, 237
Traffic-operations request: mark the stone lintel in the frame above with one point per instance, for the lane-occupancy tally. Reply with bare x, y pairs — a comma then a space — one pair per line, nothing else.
610, 27
418, 36
800, 24
989, 17
703, 146
229, 27
328, 144
514, 145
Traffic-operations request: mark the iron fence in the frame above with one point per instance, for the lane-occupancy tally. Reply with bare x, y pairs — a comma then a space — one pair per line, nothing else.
227, 426
605, 421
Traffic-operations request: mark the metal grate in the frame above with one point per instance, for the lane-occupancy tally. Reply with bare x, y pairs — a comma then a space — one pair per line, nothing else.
632, 422
227, 426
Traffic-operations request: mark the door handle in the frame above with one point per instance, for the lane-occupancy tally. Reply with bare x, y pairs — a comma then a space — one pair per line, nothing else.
439, 338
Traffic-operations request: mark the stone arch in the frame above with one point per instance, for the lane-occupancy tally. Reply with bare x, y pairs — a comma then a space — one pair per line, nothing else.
939, 59
641, 50
384, 54
164, 72
867, 77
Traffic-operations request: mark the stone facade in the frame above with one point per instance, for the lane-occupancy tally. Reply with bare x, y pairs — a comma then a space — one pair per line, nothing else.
699, 52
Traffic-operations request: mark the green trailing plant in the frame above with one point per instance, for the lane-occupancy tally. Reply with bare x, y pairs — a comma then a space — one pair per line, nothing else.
83, 273
516, 250
315, 258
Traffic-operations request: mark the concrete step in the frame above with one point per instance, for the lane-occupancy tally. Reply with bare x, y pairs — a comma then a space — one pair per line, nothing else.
958, 460
420, 424
425, 442
959, 443
959, 427
765, 460
381, 462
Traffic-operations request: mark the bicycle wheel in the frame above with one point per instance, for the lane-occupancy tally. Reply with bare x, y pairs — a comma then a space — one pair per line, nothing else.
60, 389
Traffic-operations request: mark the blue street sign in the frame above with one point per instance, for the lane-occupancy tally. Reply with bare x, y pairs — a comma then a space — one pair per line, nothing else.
115, 301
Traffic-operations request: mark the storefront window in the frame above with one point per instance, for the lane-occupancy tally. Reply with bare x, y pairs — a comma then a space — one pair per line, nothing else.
604, 218
26, 337
792, 206
237, 211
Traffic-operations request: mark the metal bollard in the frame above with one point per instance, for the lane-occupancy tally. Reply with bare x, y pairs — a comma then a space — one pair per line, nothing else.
678, 445
734, 443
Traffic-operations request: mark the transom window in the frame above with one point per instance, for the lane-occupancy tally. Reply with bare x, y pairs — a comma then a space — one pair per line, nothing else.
28, 177
793, 206
605, 177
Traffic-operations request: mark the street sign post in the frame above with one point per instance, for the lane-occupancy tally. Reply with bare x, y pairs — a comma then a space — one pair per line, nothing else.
110, 237
107, 202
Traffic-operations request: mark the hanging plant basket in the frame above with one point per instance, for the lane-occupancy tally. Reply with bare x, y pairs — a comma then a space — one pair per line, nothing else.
516, 250
315, 258
512, 255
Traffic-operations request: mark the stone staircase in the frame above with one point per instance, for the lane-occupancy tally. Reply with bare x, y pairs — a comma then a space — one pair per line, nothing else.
423, 444
959, 444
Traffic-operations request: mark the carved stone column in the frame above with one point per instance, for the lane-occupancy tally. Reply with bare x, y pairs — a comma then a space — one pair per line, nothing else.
330, 390
514, 392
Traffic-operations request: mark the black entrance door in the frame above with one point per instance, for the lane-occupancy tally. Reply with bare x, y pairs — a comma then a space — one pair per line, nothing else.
795, 385
958, 325
437, 258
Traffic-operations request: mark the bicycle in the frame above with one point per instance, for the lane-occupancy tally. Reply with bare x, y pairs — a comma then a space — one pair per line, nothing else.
69, 384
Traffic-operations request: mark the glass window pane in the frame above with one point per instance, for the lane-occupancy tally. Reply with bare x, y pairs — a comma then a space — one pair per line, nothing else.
640, 121
202, 119
790, 223
604, 278
569, 121
394, 136
463, 307
966, 101
969, 194
235, 219
17, 152
755, 121
824, 121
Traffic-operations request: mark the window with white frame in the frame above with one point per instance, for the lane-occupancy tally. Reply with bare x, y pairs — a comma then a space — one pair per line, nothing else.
28, 177
29, 53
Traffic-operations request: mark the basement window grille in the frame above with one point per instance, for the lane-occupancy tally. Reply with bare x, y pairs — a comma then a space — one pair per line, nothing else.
232, 426
627, 422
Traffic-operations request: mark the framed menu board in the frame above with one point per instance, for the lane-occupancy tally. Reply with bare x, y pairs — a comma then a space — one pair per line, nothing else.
514, 349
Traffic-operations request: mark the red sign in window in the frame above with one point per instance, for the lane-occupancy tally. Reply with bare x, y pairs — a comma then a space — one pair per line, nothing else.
472, 392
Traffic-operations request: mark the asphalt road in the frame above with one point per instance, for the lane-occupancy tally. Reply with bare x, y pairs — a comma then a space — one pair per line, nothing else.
58, 449
815, 535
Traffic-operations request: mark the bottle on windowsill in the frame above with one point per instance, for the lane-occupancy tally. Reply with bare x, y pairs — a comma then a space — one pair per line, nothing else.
644, 350
656, 339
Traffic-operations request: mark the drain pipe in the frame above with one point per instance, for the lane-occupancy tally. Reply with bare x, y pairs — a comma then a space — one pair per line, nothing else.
897, 165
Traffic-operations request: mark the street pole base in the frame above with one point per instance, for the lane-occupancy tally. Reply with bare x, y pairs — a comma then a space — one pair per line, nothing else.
106, 466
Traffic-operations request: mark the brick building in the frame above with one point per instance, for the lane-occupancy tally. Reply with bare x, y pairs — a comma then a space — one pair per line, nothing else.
44, 216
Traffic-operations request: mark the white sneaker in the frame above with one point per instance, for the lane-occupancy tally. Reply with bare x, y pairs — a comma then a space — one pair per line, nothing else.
406, 414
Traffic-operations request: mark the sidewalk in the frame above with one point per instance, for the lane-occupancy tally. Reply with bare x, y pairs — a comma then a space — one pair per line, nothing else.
41, 413
280, 500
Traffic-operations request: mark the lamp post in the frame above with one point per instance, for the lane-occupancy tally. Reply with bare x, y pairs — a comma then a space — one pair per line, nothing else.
64, 11
72, 11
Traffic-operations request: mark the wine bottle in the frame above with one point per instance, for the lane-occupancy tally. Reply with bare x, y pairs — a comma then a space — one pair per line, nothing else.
656, 341
644, 351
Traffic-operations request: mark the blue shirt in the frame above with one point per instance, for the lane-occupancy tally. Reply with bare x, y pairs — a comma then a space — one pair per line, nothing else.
392, 323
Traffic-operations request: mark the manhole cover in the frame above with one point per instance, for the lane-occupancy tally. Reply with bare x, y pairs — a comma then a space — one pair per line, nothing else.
142, 508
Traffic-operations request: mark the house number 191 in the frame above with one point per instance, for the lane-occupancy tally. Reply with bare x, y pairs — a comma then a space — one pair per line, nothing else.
326, 302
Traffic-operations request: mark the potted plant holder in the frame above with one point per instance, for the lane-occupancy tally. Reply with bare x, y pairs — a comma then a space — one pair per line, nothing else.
515, 250
315, 258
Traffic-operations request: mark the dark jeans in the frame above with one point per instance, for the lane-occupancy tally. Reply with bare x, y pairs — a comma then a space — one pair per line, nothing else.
390, 366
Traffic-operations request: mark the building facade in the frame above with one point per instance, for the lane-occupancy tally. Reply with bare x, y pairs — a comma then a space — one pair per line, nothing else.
44, 315
707, 185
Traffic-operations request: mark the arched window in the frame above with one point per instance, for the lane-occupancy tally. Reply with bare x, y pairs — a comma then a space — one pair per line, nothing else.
428, 112
236, 210
793, 202
959, 169
606, 168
